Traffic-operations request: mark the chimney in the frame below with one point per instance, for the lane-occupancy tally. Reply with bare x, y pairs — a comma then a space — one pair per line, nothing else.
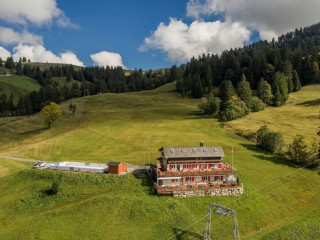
201, 143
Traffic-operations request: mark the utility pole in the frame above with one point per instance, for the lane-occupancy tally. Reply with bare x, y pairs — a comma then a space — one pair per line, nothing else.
223, 211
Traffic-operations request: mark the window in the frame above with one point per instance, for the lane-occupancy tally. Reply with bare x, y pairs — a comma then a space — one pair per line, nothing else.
174, 180
206, 178
189, 179
172, 167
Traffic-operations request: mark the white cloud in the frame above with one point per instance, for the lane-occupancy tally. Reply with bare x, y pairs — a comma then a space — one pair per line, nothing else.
4, 53
181, 42
10, 36
104, 58
39, 12
38, 53
270, 17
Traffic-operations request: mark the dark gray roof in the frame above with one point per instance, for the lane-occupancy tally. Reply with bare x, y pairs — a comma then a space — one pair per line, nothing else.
192, 152
115, 163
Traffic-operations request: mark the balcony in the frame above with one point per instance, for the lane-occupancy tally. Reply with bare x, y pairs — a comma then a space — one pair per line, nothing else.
170, 189
195, 172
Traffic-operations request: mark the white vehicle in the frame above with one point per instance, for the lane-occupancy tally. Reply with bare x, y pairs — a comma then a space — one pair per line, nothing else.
42, 164
36, 165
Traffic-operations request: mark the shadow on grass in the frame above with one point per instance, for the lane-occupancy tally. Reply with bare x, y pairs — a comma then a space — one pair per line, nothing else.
183, 234
146, 182
263, 155
310, 103
34, 131
200, 115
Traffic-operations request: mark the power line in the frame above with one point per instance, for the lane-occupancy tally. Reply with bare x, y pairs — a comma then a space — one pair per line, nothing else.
259, 188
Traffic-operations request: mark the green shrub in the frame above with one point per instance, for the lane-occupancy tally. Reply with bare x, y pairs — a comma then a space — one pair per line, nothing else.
233, 109
257, 105
269, 140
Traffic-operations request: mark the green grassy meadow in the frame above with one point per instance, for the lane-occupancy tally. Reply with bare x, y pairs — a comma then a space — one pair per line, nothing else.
278, 197
18, 85
300, 115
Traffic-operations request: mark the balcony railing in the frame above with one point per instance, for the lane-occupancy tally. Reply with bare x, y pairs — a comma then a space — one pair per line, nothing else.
195, 172
194, 187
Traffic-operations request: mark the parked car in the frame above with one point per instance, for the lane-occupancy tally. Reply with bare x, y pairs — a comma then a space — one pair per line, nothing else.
42, 164
36, 165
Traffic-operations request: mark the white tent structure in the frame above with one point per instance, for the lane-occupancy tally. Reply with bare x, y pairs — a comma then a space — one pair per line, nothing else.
80, 167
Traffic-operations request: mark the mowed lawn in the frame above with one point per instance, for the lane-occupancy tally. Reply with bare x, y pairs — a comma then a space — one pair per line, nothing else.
131, 127
300, 115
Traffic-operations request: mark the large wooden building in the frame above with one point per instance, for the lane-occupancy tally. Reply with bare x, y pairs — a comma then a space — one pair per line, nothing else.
190, 167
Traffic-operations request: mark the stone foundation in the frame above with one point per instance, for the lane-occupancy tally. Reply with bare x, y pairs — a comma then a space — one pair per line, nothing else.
209, 192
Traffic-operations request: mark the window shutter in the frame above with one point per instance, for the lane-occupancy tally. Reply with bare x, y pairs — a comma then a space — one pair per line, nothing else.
210, 166
170, 167
202, 179
215, 178
187, 179
184, 166
172, 180
221, 178
219, 165
192, 179
209, 178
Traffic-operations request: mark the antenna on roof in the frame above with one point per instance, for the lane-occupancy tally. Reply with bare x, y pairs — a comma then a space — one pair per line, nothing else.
201, 143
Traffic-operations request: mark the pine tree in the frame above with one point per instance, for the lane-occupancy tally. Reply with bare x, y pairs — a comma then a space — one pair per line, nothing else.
264, 91
197, 90
244, 91
226, 90
19, 68
209, 78
280, 89
0, 62
296, 81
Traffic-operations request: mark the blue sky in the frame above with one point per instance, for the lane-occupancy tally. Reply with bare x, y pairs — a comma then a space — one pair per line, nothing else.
141, 34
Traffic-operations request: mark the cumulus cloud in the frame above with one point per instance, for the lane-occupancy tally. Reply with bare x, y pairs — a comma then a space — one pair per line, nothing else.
270, 17
181, 42
104, 58
39, 12
10, 36
4, 53
38, 53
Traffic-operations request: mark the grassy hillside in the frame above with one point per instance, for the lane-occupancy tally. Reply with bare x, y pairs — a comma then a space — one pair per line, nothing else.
131, 127
18, 85
8, 166
299, 115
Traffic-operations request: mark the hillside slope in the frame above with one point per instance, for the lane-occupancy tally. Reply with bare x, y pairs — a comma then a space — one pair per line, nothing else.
300, 115
18, 85
131, 127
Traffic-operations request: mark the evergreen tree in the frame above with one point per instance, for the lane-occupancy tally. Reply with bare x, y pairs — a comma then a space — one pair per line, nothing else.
226, 90
315, 72
9, 63
0, 62
19, 68
209, 78
280, 89
296, 81
244, 91
197, 90
21, 107
264, 91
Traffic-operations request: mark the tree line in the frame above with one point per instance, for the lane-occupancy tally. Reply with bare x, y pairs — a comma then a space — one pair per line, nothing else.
269, 69
89, 81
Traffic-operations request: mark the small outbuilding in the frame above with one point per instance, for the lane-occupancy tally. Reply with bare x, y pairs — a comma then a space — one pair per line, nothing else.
117, 167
